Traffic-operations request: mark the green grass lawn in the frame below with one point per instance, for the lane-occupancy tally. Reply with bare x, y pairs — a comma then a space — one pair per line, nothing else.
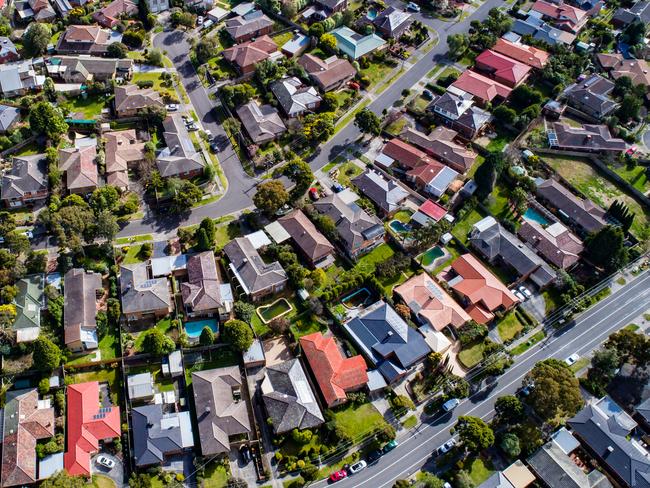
163, 325
524, 346
403, 216
509, 327
455, 252
101, 481
357, 421
107, 375
87, 108
133, 255
463, 226
158, 81
347, 172
305, 324
281, 39
141, 238
376, 72
498, 202
377, 255
419, 103
552, 299
636, 176
579, 364
218, 358
410, 422
215, 476
471, 355
478, 470
632, 327
30, 149
395, 128
108, 348
226, 233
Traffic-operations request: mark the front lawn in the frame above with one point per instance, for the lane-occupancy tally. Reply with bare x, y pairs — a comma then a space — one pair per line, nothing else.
509, 327
376, 72
215, 476
358, 420
128, 240
478, 470
101, 481
226, 233
472, 354
159, 84
463, 226
348, 171
524, 346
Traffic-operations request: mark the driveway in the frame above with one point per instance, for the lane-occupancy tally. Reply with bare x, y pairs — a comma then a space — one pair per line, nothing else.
116, 474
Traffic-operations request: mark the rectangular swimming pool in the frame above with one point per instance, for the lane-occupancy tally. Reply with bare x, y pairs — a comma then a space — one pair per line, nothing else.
534, 216
195, 327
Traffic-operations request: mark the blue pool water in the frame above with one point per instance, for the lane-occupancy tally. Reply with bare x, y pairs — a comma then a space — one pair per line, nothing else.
372, 14
195, 328
534, 216
399, 227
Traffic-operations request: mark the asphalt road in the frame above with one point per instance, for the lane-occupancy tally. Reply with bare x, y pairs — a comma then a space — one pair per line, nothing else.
241, 187
590, 330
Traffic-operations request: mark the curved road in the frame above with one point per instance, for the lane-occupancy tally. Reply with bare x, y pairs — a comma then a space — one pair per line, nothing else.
241, 187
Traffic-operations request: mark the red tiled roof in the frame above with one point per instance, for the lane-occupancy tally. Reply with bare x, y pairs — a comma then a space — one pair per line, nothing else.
502, 67
532, 56
425, 173
567, 14
88, 423
334, 373
405, 154
251, 52
481, 86
433, 210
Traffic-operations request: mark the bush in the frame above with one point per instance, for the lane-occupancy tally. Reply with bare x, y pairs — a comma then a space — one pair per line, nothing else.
471, 331
44, 386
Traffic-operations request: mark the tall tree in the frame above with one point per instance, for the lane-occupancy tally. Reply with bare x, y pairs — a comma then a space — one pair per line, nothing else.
556, 392
46, 119
270, 196
36, 38
47, 355
606, 248
238, 334
458, 44
367, 122
474, 433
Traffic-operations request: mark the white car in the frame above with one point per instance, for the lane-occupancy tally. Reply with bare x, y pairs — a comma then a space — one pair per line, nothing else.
525, 291
447, 446
519, 295
104, 461
172, 107
412, 6
208, 134
571, 360
356, 467
199, 20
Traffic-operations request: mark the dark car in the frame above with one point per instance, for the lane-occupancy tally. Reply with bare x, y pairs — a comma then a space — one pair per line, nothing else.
373, 456
390, 446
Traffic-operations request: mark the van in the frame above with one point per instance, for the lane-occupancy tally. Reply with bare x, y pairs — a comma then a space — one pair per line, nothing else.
449, 405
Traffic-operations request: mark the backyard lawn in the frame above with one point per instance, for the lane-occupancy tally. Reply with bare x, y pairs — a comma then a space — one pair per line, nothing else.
403, 216
358, 420
509, 327
471, 355
463, 226
108, 349
163, 325
107, 375
87, 108
305, 324
636, 176
281, 39
218, 358
377, 255
497, 202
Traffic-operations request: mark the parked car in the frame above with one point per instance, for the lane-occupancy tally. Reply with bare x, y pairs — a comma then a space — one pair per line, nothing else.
446, 447
526, 390
413, 7
571, 360
172, 107
104, 461
427, 95
390, 446
519, 295
313, 193
245, 454
199, 20
338, 475
214, 146
338, 187
207, 24
449, 405
192, 127
29, 234
356, 467
525, 291
208, 133
374, 456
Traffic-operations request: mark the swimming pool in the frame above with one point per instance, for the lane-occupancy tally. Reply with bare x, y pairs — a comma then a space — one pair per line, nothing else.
431, 255
194, 328
399, 227
276, 309
534, 216
372, 14
360, 297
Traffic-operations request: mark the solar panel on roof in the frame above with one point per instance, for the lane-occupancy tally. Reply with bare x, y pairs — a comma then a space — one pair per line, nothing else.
148, 284
435, 291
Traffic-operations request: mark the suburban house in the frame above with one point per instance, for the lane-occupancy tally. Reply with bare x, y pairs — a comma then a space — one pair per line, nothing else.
328, 74
295, 97
26, 181
393, 22
8, 51
36, 10
517, 475
482, 292
179, 159
582, 213
356, 45
130, 100
433, 178
246, 27
78, 166
561, 15
603, 429
588, 138
81, 290
359, 231
29, 301
313, 245
123, 152
555, 467
335, 373
204, 294
387, 341
221, 409
158, 434
18, 78
529, 55
246, 55
428, 213
331, 6
85, 39
618, 66
440, 144
501, 68
256, 278
497, 245
639, 12
591, 96
262, 122
295, 46
430, 303
9, 117
555, 243
26, 421
458, 112
406, 156
143, 297
538, 29
140, 387
89, 424
483, 89
83, 69
385, 193
288, 398
111, 14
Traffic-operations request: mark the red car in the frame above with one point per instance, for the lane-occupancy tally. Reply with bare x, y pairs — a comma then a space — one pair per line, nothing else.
338, 475
313, 193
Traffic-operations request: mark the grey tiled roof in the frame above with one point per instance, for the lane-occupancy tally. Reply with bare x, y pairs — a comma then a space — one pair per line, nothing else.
294, 96
289, 399
28, 174
80, 307
140, 293
250, 23
592, 96
262, 122
385, 193
179, 156
393, 19
157, 434
254, 272
202, 291
583, 213
8, 115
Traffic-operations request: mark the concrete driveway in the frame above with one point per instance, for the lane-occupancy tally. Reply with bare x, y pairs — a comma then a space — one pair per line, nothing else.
116, 474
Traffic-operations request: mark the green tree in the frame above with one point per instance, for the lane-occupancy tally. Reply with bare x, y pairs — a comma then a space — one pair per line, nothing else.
463, 480
270, 196
289, 9
367, 122
63, 480
487, 173
244, 311
510, 445
207, 224
7, 223
104, 198
505, 115
606, 248
36, 38
630, 346
36, 262
139, 480
156, 343
298, 171
556, 392
509, 409
44, 386
331, 102
327, 42
458, 44
318, 127
238, 334
316, 30
519, 198
207, 337
205, 49
17, 242
429, 480
117, 50
47, 355
202, 241
474, 433
106, 225
46, 119
187, 195
154, 57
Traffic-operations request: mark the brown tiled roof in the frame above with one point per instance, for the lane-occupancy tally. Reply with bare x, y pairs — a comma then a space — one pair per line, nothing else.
203, 288
635, 69
80, 305
440, 143
79, 166
314, 244
555, 243
405, 154
480, 86
328, 71
250, 53
130, 97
